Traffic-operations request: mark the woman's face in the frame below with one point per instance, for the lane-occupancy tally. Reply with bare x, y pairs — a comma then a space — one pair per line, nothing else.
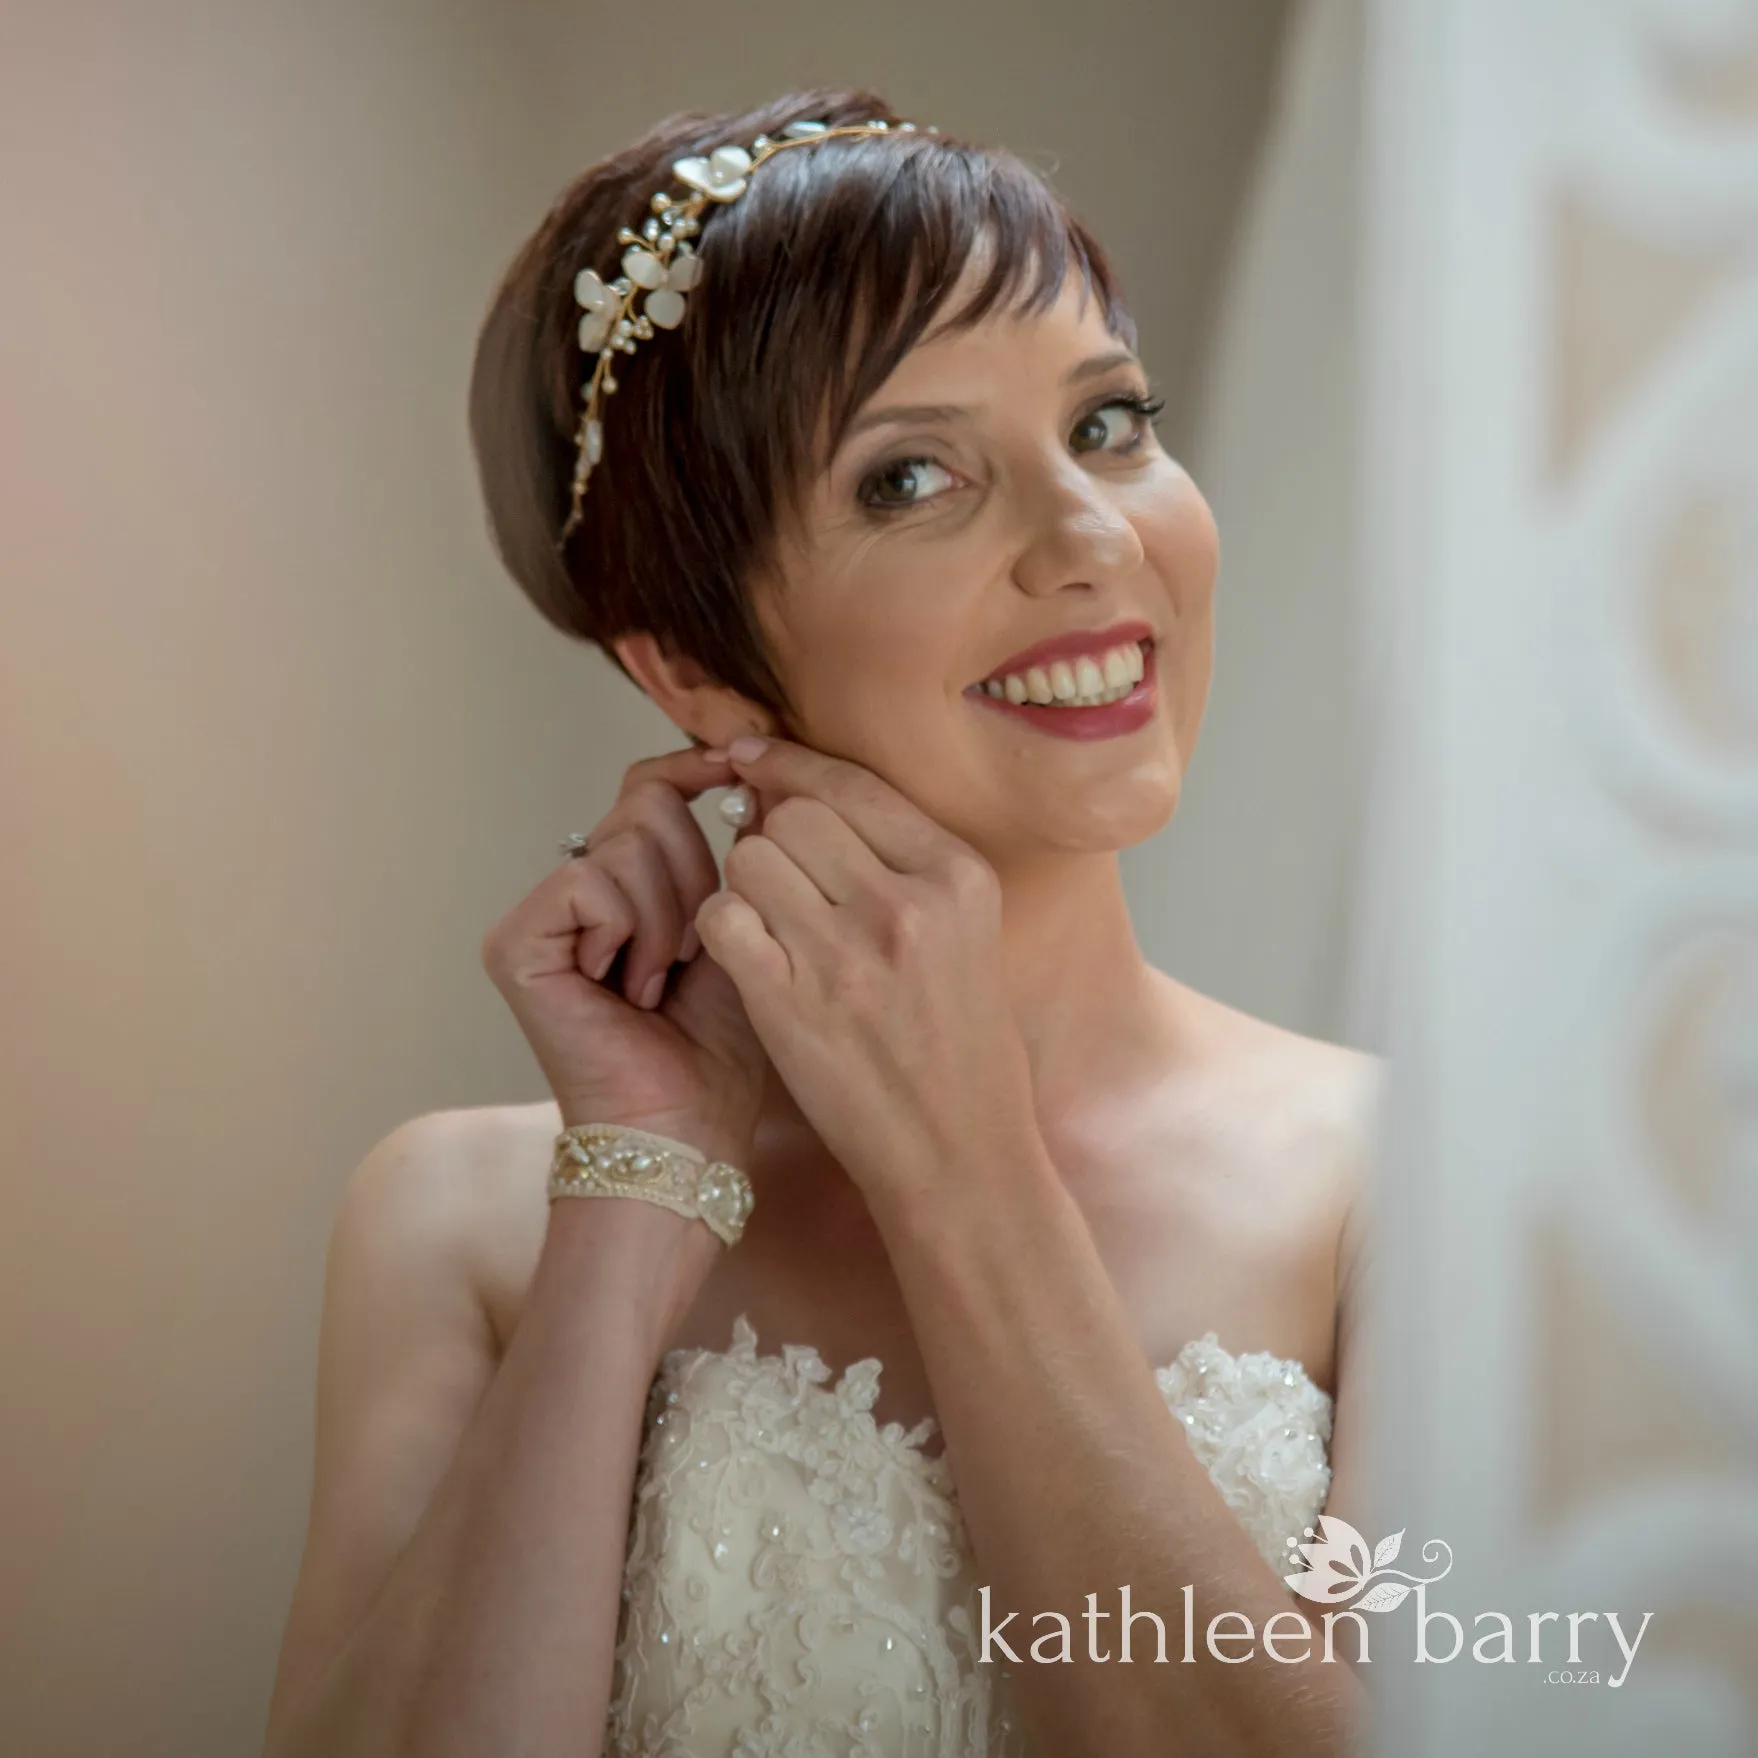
998, 492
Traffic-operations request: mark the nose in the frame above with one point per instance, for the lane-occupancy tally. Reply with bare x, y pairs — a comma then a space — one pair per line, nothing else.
1079, 536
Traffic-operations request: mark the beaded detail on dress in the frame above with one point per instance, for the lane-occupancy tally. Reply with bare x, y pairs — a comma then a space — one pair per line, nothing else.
799, 1583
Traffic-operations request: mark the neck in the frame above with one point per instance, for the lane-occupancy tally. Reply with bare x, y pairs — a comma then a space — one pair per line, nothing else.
1092, 1012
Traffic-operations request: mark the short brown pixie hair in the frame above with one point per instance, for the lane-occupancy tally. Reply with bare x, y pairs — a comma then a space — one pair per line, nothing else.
818, 280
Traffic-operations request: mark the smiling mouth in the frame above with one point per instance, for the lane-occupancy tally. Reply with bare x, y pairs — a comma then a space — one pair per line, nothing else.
1090, 681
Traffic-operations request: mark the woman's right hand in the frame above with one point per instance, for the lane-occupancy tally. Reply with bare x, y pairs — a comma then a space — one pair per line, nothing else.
664, 1043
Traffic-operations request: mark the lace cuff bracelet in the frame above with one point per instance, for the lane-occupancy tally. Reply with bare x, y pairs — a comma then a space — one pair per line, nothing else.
612, 1159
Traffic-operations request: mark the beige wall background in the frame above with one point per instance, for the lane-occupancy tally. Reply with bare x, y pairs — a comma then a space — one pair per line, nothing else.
280, 740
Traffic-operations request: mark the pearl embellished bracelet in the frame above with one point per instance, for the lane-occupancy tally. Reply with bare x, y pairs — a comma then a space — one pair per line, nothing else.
613, 1159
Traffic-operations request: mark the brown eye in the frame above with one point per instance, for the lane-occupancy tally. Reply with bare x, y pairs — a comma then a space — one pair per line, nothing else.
1110, 427
904, 482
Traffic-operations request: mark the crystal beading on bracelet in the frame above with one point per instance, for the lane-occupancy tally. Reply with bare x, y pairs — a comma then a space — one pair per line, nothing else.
613, 1159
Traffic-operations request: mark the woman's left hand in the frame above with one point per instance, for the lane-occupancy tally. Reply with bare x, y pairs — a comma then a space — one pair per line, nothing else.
865, 942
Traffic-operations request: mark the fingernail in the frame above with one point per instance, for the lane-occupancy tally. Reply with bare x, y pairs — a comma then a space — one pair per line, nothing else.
655, 986
692, 944
746, 748
604, 964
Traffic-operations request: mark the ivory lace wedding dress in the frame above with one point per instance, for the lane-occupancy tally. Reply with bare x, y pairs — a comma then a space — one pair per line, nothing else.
799, 1583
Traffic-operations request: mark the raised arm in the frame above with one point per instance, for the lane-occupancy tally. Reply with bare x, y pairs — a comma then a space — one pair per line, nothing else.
867, 943
459, 1591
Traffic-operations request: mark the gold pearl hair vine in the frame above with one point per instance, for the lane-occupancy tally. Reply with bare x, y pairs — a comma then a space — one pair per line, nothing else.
661, 262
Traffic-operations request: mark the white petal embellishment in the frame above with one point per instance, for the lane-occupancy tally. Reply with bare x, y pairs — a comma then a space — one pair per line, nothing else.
643, 267
590, 291
665, 308
795, 130
594, 329
720, 177
684, 273
594, 441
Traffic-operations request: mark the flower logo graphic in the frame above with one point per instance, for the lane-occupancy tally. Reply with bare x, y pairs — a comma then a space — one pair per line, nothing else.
1339, 1566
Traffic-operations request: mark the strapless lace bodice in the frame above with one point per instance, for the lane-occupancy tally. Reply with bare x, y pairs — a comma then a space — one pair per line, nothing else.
799, 1583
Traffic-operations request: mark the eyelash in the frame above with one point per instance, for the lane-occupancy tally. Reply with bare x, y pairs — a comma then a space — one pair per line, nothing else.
1146, 410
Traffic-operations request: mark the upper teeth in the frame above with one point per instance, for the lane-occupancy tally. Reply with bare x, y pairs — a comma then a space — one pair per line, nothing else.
1081, 683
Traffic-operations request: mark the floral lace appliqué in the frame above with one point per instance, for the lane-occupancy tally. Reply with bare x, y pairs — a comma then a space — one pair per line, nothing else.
1263, 1431
799, 1582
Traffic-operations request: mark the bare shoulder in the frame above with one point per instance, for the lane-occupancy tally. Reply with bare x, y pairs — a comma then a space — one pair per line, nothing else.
1341, 1087
1326, 1094
466, 1187
407, 1347
1299, 1115
510, 1157
1331, 1097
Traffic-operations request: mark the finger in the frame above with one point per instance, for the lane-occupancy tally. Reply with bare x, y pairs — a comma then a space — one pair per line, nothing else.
903, 836
660, 809
691, 771
733, 935
634, 858
574, 918
824, 846
790, 905
605, 915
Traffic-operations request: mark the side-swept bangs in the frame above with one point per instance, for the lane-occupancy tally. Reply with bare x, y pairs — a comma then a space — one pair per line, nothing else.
839, 259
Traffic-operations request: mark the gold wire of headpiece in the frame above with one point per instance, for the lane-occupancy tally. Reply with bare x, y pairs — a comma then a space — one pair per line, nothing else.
661, 262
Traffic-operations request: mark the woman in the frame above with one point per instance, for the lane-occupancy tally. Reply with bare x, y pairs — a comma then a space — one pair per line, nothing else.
874, 483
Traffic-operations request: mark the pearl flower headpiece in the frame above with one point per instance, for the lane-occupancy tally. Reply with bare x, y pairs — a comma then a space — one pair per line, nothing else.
661, 262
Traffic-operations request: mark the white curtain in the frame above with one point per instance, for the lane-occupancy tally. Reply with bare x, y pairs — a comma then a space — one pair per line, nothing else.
1252, 893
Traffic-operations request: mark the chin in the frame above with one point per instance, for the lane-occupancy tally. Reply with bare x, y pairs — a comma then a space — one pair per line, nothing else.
1119, 818
1134, 821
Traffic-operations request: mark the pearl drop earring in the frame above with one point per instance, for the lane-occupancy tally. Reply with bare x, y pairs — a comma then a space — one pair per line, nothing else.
737, 806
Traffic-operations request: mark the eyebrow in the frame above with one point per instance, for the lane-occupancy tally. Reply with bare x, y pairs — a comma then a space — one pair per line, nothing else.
925, 413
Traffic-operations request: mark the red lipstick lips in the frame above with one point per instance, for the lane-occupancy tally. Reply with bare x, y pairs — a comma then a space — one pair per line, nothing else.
1107, 720
1072, 645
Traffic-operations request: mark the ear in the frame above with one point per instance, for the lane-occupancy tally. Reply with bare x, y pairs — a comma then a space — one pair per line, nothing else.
690, 699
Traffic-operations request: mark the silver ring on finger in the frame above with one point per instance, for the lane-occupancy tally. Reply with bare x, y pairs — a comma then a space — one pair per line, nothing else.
573, 844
